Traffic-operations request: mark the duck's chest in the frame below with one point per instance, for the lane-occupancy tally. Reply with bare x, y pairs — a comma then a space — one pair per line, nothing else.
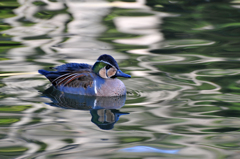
111, 87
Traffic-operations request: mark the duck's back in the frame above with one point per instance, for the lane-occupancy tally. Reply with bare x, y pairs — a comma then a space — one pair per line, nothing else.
69, 67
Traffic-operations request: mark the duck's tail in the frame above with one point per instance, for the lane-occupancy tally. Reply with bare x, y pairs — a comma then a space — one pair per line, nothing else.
43, 72
50, 75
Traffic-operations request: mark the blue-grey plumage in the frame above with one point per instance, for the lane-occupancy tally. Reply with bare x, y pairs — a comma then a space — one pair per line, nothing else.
83, 79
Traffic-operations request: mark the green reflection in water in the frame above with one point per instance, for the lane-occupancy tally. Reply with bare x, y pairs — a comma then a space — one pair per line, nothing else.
39, 3
134, 139
6, 7
8, 121
6, 43
45, 14
12, 149
12, 152
216, 21
16, 108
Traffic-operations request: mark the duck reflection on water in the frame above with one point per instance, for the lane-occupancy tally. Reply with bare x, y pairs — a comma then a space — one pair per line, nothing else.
103, 109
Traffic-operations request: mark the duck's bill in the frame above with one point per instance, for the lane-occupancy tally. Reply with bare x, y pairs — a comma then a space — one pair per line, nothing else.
121, 74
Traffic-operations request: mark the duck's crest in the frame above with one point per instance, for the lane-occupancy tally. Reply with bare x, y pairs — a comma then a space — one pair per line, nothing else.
108, 59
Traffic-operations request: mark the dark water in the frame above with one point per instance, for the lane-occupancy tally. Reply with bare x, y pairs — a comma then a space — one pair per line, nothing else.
183, 97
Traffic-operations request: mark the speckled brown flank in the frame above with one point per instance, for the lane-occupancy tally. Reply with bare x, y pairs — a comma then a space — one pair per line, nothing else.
74, 79
80, 83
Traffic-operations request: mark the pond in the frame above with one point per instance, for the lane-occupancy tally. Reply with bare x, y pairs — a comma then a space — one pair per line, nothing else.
182, 100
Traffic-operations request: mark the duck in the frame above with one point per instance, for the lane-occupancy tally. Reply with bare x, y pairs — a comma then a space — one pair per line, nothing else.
99, 79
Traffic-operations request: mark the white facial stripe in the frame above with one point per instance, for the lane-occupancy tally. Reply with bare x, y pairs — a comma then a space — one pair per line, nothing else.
106, 71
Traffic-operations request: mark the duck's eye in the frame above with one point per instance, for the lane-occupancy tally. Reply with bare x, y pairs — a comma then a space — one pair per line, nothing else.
108, 66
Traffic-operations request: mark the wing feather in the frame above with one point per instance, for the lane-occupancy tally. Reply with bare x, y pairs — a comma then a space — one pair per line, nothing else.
74, 80
70, 75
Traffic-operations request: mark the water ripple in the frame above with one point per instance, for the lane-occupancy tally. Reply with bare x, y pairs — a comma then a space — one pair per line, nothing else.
182, 100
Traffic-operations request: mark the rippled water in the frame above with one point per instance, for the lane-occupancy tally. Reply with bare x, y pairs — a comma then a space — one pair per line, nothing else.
182, 99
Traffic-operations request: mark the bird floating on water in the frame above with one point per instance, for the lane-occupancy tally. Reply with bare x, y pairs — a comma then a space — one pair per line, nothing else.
84, 79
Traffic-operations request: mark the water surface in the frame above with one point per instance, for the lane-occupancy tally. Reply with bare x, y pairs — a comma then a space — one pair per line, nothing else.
182, 100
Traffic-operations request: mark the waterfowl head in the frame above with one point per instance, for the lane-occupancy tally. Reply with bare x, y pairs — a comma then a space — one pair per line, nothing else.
107, 67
